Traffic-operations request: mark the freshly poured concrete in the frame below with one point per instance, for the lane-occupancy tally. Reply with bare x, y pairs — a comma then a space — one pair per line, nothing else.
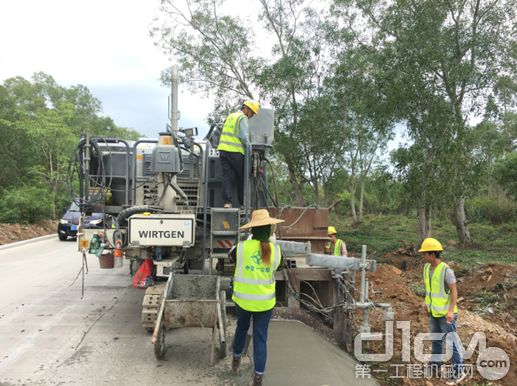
50, 336
299, 356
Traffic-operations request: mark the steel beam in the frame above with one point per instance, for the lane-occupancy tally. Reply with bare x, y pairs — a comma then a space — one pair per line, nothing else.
350, 263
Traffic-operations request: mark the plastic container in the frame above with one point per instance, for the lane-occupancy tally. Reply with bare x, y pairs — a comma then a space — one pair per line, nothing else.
108, 199
119, 258
119, 255
94, 244
107, 260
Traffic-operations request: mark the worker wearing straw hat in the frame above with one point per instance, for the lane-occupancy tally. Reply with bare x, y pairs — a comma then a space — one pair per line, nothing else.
257, 260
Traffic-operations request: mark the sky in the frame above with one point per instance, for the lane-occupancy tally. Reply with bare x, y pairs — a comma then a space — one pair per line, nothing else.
103, 45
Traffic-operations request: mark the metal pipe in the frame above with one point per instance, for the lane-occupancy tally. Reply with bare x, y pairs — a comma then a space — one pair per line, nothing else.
351, 280
346, 263
363, 273
246, 185
205, 205
87, 166
365, 328
80, 153
365, 305
174, 95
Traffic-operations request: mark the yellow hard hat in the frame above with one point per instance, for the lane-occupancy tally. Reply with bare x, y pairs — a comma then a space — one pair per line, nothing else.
253, 105
431, 245
332, 231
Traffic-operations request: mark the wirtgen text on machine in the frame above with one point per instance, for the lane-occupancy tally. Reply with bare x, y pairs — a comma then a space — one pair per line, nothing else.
161, 234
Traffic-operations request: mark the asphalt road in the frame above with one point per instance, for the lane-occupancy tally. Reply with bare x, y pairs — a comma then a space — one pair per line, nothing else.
50, 336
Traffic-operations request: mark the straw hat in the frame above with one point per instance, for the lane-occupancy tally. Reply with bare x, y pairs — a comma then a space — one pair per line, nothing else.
259, 218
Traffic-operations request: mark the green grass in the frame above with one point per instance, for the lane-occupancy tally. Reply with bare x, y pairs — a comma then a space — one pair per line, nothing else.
473, 258
382, 234
418, 289
460, 272
488, 297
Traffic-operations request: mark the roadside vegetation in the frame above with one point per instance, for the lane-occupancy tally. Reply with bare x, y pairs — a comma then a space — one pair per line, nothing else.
382, 233
40, 124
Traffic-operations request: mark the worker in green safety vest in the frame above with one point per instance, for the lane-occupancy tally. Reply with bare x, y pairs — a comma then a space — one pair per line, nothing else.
232, 147
256, 262
440, 304
336, 246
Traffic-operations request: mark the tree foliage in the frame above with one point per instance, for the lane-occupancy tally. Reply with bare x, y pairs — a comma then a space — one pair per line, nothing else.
40, 123
505, 172
438, 60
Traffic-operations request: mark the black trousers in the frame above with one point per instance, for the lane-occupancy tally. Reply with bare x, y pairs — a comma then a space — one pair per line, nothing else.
232, 161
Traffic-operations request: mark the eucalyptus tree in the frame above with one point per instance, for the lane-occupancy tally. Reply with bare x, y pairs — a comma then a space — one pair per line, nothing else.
215, 52
505, 173
221, 55
306, 132
505, 90
366, 121
491, 143
503, 109
320, 143
447, 53
497, 132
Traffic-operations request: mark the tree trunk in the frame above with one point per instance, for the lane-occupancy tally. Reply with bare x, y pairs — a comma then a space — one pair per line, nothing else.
461, 221
361, 202
297, 187
424, 220
352, 204
317, 192
489, 180
53, 205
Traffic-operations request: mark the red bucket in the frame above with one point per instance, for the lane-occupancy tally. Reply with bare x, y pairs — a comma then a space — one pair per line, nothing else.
107, 260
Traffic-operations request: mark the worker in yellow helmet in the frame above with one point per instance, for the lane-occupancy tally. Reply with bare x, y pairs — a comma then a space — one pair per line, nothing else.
232, 146
337, 247
441, 295
254, 289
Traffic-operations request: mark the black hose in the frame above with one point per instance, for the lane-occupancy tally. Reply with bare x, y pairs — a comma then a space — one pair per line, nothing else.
122, 216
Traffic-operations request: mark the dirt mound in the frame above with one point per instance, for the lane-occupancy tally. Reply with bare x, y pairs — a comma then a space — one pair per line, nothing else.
488, 276
390, 281
490, 291
399, 277
11, 233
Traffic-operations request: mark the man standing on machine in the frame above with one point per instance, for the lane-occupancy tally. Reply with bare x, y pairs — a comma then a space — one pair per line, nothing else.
232, 146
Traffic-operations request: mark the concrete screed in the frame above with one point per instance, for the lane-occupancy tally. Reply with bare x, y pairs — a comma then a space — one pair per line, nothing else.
50, 336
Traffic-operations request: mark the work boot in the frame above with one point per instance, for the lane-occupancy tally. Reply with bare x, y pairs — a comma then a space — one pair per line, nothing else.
456, 379
227, 205
236, 363
257, 380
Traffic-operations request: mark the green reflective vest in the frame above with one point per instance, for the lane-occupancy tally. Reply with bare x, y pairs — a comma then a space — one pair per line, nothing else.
230, 140
437, 298
254, 282
337, 247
